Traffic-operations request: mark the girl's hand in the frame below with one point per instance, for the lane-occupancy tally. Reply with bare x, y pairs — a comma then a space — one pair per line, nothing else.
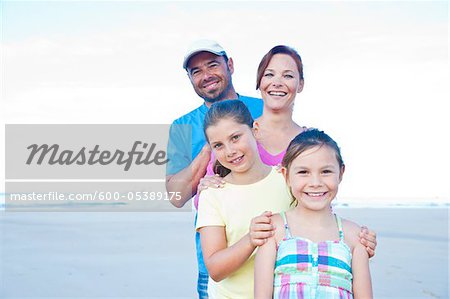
214, 181
368, 238
261, 229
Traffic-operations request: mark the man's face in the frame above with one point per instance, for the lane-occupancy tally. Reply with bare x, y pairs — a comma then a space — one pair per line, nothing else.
210, 76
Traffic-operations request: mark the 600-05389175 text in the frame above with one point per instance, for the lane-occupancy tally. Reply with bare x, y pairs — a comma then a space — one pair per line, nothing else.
96, 196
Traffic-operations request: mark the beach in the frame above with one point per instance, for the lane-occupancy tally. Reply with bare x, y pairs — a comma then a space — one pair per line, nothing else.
152, 255
412, 255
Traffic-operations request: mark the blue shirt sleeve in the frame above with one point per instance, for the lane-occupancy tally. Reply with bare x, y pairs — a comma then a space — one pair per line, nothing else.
179, 148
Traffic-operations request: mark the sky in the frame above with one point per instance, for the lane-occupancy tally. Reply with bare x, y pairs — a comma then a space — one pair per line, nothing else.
376, 74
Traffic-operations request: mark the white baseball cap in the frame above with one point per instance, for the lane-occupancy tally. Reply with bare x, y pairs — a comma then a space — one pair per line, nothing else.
203, 45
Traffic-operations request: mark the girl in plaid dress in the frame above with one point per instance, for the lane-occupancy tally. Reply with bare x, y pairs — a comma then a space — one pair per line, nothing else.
314, 253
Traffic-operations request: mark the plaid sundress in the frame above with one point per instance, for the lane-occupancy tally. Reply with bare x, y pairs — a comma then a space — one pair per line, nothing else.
305, 269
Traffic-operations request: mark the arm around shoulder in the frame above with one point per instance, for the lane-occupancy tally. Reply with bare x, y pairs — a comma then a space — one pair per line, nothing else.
184, 183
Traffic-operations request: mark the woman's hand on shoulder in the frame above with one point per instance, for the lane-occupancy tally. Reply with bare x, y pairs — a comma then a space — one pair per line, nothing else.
213, 181
351, 233
368, 238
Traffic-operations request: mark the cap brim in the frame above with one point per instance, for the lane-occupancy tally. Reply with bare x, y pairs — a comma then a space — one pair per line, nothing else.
187, 58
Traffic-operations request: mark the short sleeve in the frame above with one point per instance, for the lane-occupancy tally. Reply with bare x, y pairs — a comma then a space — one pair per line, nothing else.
209, 212
179, 148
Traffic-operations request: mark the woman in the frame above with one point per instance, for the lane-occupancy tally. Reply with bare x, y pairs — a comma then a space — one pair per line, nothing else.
279, 79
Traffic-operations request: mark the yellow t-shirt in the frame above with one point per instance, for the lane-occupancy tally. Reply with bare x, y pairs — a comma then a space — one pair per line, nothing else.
234, 206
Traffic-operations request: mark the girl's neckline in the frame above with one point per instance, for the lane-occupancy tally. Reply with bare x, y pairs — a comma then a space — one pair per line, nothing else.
288, 231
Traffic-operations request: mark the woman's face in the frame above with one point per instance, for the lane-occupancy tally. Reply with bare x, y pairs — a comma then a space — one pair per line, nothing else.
280, 83
233, 144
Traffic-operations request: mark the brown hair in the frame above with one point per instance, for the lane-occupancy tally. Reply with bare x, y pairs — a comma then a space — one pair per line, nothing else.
281, 49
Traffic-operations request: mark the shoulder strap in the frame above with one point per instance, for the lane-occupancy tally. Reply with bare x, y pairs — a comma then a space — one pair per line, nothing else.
339, 224
286, 226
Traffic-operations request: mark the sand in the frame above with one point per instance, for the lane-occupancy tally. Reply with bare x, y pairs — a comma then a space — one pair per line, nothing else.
151, 255
412, 254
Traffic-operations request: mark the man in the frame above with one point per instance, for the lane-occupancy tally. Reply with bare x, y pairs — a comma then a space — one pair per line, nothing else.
209, 69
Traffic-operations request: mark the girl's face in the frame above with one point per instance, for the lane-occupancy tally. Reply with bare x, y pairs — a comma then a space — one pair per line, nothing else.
233, 144
314, 177
280, 82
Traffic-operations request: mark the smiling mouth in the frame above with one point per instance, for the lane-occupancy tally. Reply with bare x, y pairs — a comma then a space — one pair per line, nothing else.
277, 93
237, 160
210, 85
315, 194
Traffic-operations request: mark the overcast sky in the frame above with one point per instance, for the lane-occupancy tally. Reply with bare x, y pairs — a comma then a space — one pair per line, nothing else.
376, 74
